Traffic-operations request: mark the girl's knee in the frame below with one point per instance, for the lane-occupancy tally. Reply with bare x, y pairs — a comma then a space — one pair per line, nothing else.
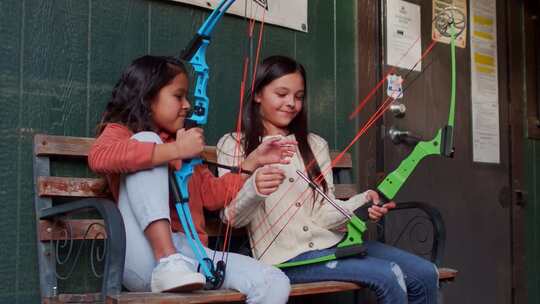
279, 287
135, 282
398, 276
147, 136
388, 283
428, 273
274, 288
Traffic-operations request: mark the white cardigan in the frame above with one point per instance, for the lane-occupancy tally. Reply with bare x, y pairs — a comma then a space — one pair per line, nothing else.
315, 222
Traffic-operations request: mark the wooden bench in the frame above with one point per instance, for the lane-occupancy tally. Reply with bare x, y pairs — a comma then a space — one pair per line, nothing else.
61, 194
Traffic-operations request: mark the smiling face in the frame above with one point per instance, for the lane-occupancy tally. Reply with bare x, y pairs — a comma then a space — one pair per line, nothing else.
280, 102
171, 106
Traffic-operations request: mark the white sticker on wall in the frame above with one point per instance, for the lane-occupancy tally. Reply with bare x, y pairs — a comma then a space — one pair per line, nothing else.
286, 13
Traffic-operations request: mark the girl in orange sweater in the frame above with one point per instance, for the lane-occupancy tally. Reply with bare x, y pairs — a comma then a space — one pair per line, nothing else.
141, 135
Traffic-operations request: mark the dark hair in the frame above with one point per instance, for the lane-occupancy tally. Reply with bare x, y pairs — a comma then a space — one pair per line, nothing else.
134, 92
269, 70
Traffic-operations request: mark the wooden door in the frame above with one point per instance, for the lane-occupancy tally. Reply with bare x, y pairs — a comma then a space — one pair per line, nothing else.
473, 197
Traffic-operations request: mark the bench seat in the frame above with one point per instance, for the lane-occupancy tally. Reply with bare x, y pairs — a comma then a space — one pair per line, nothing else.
219, 296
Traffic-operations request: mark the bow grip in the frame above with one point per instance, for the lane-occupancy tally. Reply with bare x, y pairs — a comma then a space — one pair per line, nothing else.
382, 198
362, 211
182, 177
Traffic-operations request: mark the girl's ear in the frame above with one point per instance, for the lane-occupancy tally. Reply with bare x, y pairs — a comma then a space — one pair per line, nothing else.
258, 98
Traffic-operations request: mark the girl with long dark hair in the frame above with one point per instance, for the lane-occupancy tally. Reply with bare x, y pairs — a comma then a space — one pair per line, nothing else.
277, 109
142, 136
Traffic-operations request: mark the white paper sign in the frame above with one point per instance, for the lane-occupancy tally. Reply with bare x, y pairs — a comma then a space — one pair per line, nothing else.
403, 42
287, 13
484, 82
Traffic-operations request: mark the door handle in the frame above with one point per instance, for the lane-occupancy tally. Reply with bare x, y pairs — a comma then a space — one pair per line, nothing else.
402, 137
398, 109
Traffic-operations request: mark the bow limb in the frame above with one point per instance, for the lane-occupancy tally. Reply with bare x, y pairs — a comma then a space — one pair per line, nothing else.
442, 144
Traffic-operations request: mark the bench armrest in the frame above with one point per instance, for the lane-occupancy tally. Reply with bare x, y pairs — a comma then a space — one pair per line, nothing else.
115, 241
437, 223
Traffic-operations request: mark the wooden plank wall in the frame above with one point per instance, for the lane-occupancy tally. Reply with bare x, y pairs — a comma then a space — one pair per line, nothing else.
59, 60
532, 175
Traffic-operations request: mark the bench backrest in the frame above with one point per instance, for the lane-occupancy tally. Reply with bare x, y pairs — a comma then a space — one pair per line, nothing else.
49, 187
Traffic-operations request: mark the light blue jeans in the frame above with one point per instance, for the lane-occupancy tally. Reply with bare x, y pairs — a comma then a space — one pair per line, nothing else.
395, 276
143, 199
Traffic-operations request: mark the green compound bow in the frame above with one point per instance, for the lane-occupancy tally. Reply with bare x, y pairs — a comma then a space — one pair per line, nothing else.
450, 23
443, 142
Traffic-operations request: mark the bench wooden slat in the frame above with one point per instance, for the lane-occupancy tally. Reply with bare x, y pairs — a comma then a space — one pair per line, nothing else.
345, 191
344, 163
72, 187
322, 287
220, 296
49, 145
447, 274
74, 298
53, 145
97, 187
79, 229
196, 297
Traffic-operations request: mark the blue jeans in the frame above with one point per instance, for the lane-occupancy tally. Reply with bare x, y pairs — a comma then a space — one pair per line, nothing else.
394, 275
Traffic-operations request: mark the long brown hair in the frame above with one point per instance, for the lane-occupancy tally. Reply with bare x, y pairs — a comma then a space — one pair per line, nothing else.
253, 130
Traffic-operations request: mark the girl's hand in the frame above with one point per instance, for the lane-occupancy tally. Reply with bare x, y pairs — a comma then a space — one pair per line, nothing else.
277, 150
376, 212
189, 143
268, 179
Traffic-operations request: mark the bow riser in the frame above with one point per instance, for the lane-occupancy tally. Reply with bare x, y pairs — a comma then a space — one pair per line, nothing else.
201, 103
350, 246
393, 182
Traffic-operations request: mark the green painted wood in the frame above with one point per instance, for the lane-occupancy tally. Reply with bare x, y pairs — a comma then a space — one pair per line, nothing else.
346, 78
10, 31
60, 60
320, 67
54, 90
532, 159
118, 34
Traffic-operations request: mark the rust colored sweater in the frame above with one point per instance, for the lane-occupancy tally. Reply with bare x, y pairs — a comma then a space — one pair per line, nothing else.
114, 153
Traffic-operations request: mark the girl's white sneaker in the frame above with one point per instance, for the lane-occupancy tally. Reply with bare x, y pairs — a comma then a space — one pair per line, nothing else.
175, 273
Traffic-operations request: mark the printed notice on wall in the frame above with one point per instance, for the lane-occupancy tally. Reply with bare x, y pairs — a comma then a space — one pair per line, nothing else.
484, 82
438, 7
403, 43
286, 13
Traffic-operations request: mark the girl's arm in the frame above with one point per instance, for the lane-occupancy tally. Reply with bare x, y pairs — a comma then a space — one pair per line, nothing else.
114, 151
216, 192
324, 213
241, 209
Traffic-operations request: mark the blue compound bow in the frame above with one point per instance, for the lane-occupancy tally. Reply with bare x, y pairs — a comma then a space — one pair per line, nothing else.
195, 54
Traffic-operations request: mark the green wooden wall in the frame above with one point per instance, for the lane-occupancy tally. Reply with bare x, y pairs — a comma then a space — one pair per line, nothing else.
59, 60
532, 167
